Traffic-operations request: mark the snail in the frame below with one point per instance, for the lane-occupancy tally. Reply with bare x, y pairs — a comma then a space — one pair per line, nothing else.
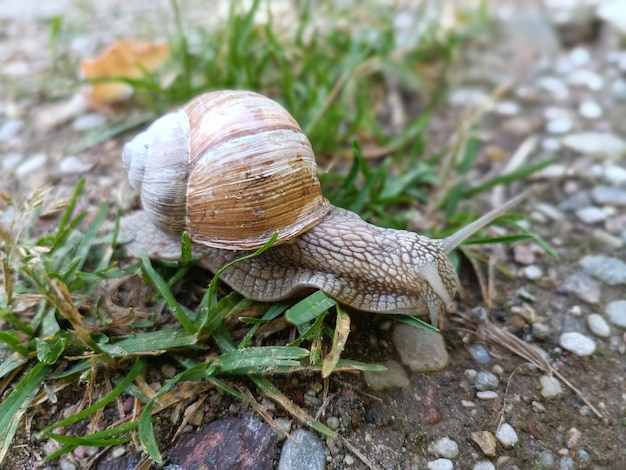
232, 168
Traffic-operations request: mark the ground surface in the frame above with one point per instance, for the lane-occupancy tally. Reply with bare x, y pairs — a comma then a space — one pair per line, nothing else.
397, 428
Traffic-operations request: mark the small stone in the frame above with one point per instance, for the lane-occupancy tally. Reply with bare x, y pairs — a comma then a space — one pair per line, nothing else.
550, 387
579, 56
547, 460
616, 311
590, 109
440, 464
577, 343
486, 441
612, 12
555, 86
541, 331
614, 174
469, 97
479, 353
88, 121
419, 349
523, 294
484, 465
609, 270
538, 407
566, 463
10, 128
304, 450
572, 437
559, 126
394, 377
605, 239
586, 78
582, 286
609, 195
507, 436
507, 108
596, 144
348, 460
333, 423
523, 254
444, 447
532, 272
486, 395
486, 381
591, 214
598, 325
33, 164
72, 164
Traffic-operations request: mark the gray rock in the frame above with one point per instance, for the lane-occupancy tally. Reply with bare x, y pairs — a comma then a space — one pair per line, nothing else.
479, 353
610, 270
394, 377
304, 451
444, 447
590, 109
591, 214
616, 311
598, 325
547, 460
577, 343
596, 144
582, 286
507, 436
486, 381
419, 349
609, 195
88, 121
440, 464
484, 465
550, 386
31, 165
10, 128
586, 78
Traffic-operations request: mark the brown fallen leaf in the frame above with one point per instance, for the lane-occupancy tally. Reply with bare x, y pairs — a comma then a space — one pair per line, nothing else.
123, 59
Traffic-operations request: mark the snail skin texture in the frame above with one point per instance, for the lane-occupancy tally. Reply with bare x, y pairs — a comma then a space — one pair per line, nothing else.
232, 168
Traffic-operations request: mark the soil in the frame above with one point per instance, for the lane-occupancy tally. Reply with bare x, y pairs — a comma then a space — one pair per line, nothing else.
392, 429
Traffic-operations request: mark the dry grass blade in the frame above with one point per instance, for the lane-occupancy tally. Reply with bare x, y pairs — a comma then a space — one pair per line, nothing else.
529, 352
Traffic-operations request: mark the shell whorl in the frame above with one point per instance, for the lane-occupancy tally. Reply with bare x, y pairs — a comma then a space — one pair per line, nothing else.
231, 168
157, 163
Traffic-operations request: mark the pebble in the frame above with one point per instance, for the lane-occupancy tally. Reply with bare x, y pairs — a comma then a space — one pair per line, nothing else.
523, 254
577, 343
616, 311
591, 214
609, 270
559, 125
555, 86
88, 121
394, 377
582, 286
486, 441
468, 97
596, 144
507, 436
479, 353
541, 331
72, 164
333, 423
550, 211
486, 395
598, 325
532, 272
547, 460
444, 447
10, 128
31, 165
419, 349
590, 109
10, 161
486, 381
586, 78
566, 463
579, 56
550, 387
606, 240
538, 407
614, 174
609, 195
612, 11
484, 465
303, 451
440, 464
572, 437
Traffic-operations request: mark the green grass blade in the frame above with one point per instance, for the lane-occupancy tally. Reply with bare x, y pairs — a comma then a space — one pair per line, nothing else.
14, 405
309, 308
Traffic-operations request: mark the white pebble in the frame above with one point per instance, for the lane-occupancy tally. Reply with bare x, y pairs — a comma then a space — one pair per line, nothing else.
586, 78
532, 272
444, 447
590, 109
440, 464
579, 56
507, 436
88, 121
31, 165
72, 164
550, 386
484, 465
598, 325
559, 126
616, 312
572, 437
591, 214
486, 395
577, 343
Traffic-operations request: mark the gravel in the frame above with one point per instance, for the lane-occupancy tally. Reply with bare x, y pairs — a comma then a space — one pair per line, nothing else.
577, 343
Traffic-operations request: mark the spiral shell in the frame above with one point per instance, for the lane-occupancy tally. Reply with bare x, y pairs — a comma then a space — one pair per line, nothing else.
231, 168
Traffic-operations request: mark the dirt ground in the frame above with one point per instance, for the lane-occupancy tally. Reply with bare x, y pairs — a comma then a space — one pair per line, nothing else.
394, 428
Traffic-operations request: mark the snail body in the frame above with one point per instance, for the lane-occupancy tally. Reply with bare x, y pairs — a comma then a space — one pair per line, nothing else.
185, 158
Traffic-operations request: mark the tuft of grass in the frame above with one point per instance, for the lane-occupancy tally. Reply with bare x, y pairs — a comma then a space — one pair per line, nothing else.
61, 319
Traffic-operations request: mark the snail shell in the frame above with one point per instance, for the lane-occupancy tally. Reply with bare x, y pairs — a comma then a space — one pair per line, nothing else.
231, 168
